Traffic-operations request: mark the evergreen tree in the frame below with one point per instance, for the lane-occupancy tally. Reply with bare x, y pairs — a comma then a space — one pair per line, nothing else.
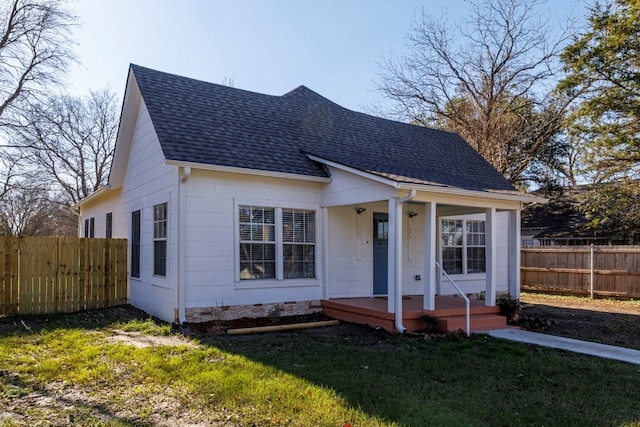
603, 70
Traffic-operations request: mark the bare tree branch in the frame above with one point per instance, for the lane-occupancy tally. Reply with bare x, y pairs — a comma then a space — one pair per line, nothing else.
34, 211
490, 80
71, 141
34, 50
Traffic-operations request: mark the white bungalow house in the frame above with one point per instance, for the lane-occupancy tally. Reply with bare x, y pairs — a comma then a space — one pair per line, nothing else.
237, 204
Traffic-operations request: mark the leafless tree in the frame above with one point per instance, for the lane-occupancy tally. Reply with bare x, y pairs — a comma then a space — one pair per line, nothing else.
71, 140
32, 211
491, 80
10, 171
35, 49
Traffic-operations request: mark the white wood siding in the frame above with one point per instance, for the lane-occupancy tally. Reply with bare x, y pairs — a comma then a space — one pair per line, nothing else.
350, 251
212, 198
98, 209
348, 189
413, 249
147, 182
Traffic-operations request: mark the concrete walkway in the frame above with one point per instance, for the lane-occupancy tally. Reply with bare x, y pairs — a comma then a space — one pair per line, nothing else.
584, 347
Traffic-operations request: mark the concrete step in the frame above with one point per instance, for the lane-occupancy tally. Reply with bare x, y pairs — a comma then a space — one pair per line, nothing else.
478, 322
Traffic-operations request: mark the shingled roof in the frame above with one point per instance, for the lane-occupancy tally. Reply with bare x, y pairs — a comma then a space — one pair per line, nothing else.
213, 124
561, 217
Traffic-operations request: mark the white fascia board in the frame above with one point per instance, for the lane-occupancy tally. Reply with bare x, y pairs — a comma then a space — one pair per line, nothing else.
101, 190
126, 127
245, 171
513, 197
354, 171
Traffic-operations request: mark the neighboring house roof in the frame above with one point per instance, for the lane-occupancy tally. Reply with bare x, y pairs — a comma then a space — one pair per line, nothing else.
206, 123
561, 217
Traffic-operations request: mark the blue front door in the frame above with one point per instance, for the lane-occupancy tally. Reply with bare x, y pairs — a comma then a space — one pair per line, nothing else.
380, 252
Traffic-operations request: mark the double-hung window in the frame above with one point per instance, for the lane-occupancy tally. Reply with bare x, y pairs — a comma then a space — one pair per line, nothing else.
257, 242
298, 236
89, 227
160, 239
276, 243
463, 246
476, 255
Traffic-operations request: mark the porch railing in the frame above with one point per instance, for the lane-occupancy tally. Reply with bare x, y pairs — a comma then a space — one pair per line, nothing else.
466, 298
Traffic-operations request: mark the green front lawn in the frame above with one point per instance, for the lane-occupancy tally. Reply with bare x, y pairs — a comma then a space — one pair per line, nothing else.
68, 369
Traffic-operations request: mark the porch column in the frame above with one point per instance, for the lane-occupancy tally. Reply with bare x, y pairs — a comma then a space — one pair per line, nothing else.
391, 257
325, 253
490, 254
430, 237
515, 241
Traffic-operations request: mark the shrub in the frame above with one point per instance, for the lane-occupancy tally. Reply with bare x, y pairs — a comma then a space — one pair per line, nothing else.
508, 306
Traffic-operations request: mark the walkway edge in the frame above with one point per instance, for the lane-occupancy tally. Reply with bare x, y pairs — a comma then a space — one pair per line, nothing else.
569, 344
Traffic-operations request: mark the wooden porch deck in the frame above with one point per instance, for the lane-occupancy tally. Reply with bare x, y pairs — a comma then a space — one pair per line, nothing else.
450, 313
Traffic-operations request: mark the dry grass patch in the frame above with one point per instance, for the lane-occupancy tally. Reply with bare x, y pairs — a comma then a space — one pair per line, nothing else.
142, 340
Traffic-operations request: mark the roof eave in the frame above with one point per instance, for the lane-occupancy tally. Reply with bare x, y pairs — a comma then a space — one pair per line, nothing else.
352, 170
246, 171
99, 192
489, 194
497, 195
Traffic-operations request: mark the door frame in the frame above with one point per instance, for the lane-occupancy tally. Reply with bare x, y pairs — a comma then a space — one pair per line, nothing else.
380, 258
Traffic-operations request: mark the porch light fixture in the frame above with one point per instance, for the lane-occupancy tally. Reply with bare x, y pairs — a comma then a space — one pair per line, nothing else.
360, 210
412, 214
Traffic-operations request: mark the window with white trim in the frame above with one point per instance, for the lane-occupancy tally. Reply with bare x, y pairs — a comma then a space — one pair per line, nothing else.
475, 242
276, 243
89, 227
257, 243
463, 246
160, 239
299, 243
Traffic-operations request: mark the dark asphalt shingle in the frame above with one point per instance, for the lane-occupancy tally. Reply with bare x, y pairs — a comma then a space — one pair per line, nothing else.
214, 124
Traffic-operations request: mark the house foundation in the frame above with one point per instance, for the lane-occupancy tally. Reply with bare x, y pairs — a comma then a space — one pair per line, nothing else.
231, 312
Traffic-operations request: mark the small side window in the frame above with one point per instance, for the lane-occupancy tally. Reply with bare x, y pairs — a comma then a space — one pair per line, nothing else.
160, 239
89, 227
109, 227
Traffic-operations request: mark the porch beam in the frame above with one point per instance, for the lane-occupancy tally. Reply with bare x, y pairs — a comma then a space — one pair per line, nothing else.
430, 236
490, 254
515, 241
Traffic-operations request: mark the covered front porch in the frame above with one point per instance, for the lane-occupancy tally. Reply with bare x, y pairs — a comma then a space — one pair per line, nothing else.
395, 251
449, 315
419, 255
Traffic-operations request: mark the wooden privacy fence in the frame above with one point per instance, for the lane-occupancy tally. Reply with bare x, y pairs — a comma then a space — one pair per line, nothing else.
41, 275
595, 271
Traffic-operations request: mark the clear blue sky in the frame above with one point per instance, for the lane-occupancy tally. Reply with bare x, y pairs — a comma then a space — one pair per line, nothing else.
267, 46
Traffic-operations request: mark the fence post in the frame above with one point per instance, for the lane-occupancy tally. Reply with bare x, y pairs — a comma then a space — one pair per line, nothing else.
591, 272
